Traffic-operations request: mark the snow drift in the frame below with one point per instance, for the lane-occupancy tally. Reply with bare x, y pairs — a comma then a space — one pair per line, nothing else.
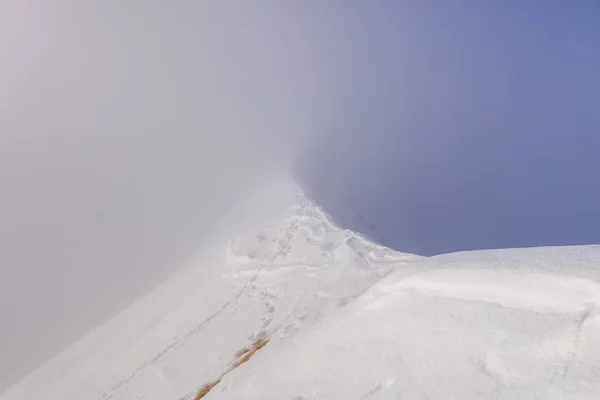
345, 319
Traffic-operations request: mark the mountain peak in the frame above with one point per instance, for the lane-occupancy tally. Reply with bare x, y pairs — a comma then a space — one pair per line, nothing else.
287, 305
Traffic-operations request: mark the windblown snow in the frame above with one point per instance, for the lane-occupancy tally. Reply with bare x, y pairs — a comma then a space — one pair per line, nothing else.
345, 318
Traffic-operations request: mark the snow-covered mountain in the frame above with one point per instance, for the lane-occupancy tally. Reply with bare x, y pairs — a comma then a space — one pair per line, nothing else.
341, 317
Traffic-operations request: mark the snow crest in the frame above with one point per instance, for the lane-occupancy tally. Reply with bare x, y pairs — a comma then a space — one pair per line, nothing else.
346, 319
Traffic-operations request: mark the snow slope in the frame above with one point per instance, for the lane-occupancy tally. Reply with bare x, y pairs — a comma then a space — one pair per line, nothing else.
346, 318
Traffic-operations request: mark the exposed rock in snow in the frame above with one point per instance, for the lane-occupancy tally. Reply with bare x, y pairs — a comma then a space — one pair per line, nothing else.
346, 319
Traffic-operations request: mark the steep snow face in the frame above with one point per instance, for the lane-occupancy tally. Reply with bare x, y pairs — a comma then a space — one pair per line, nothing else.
504, 325
345, 318
277, 267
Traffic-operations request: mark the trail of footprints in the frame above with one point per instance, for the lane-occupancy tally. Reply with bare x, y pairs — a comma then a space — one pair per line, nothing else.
269, 304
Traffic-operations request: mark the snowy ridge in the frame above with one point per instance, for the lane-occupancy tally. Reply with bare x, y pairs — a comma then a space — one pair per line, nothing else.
445, 331
274, 281
346, 319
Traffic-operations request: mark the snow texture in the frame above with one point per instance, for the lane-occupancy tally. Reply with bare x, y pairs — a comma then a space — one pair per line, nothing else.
346, 318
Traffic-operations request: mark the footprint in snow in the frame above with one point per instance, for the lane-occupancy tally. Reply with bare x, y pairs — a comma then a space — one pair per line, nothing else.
379, 387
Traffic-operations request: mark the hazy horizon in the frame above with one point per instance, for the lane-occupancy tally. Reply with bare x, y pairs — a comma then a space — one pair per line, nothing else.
127, 130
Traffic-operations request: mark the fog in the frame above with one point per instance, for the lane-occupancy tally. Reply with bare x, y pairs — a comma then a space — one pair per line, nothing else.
128, 128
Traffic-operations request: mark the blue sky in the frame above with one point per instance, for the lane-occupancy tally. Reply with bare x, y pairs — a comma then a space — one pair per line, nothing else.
467, 125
